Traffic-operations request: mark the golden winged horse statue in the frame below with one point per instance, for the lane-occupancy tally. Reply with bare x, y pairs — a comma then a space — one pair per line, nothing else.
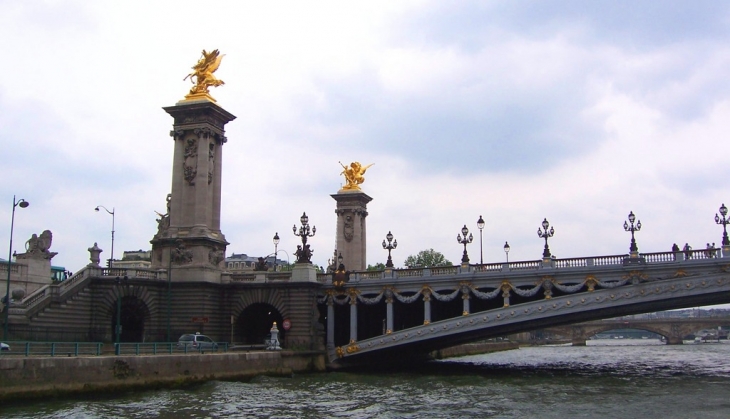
354, 175
202, 76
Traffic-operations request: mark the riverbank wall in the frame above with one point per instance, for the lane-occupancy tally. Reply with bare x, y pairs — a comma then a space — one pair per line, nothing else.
36, 377
477, 348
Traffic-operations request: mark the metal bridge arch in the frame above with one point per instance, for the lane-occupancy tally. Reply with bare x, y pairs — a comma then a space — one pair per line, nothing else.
524, 296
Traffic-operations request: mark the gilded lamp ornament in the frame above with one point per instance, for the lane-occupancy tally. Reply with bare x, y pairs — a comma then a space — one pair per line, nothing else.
354, 175
202, 76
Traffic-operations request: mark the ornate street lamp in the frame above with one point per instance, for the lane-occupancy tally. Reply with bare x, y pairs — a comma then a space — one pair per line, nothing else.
506, 250
544, 233
480, 224
276, 248
724, 222
111, 259
392, 244
466, 240
304, 253
634, 249
22, 203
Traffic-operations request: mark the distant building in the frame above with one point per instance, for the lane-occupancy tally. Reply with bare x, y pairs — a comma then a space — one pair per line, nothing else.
135, 259
241, 262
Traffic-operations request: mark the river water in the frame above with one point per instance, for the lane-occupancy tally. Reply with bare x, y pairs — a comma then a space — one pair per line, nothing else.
606, 379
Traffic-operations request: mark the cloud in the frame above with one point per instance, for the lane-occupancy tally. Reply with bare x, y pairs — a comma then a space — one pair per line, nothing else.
574, 112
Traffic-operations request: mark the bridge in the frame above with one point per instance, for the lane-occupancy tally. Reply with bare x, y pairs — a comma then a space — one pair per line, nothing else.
401, 314
352, 316
672, 329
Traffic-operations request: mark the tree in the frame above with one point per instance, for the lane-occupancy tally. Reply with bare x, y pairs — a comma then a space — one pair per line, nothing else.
376, 267
427, 259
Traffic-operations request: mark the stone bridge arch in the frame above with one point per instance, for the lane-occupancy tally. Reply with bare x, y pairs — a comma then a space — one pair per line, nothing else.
137, 306
272, 297
255, 311
583, 333
673, 332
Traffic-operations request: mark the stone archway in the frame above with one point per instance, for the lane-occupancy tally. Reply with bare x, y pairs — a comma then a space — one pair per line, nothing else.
138, 309
132, 317
254, 324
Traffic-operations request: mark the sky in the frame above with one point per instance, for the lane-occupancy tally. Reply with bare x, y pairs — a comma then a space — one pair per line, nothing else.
574, 111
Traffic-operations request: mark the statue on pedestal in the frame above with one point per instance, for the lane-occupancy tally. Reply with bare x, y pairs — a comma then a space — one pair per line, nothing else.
354, 175
203, 74
163, 223
37, 246
304, 254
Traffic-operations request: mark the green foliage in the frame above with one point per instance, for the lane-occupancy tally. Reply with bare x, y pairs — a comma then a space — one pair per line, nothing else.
376, 267
427, 259
284, 267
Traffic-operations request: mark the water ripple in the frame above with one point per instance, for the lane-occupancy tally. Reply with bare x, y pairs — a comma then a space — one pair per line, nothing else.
545, 382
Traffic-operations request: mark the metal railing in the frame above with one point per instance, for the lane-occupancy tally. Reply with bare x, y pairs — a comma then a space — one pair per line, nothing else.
22, 348
160, 348
580, 262
53, 349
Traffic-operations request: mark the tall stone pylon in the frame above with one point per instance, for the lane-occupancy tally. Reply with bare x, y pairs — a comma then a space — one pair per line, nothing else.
189, 242
352, 209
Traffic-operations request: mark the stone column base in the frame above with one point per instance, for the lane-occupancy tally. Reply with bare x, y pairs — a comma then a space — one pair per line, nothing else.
304, 272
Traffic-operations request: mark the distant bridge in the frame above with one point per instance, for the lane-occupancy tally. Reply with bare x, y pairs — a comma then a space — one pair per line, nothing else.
674, 330
398, 314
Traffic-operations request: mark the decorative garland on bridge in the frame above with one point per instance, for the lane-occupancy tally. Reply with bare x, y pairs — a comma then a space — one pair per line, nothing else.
546, 283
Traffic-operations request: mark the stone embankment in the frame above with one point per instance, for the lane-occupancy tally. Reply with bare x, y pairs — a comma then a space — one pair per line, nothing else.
34, 377
474, 349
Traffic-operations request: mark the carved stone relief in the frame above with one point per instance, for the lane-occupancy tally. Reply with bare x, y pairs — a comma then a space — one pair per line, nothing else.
180, 254
211, 162
215, 256
349, 229
190, 164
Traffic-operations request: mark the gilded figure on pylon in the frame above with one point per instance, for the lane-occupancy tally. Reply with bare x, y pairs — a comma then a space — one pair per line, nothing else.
202, 76
354, 175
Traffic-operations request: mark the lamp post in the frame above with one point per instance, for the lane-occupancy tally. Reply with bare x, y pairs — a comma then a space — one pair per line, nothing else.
392, 244
276, 248
169, 295
111, 259
466, 240
118, 327
480, 224
506, 250
22, 203
304, 254
724, 222
634, 249
544, 233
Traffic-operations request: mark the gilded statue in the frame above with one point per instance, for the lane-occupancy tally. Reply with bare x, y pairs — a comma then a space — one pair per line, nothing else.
202, 76
354, 175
